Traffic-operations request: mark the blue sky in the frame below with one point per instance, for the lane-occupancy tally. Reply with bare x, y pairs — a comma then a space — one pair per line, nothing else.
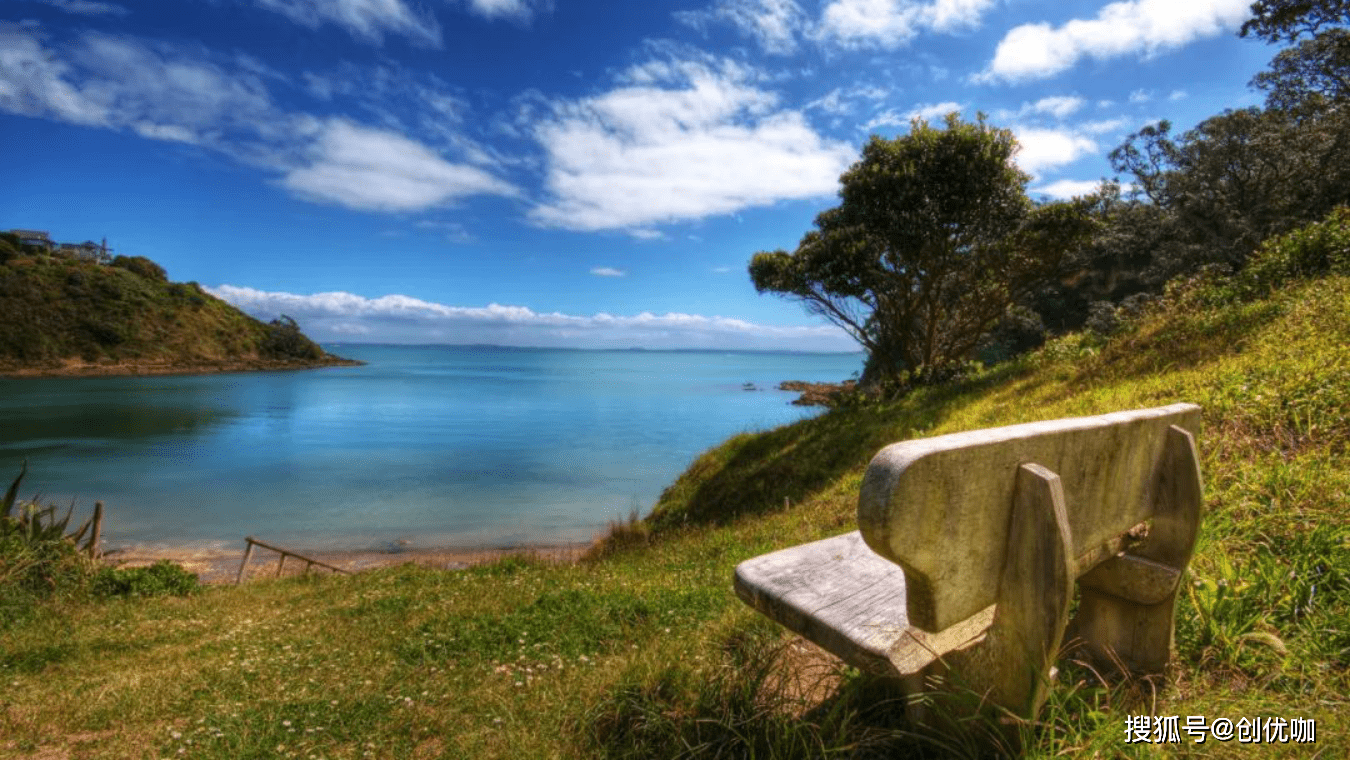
548, 172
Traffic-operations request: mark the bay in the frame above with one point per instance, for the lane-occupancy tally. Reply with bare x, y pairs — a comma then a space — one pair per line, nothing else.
423, 446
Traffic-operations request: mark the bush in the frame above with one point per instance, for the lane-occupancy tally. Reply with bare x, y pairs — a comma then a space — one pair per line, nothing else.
160, 579
285, 341
142, 266
1319, 248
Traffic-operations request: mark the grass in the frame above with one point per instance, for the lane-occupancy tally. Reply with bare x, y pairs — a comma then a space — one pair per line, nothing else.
643, 651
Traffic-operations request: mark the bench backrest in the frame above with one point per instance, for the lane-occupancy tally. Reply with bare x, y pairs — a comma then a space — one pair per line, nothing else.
940, 507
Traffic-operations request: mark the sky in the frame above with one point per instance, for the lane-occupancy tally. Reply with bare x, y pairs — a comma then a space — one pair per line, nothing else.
586, 173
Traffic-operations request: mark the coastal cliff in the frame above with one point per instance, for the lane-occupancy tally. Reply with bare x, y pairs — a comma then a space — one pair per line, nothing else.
67, 316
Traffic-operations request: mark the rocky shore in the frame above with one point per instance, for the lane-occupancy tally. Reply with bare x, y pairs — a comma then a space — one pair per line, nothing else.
816, 394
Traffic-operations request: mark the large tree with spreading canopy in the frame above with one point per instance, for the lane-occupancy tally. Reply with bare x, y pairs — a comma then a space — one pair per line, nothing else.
933, 240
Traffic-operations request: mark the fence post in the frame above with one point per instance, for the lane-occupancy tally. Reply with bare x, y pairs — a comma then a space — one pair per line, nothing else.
244, 565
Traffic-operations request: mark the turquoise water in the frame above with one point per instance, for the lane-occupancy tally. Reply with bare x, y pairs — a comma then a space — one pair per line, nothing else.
436, 445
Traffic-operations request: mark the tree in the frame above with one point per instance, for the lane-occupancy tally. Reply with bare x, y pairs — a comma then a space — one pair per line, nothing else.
933, 240
1238, 178
1288, 20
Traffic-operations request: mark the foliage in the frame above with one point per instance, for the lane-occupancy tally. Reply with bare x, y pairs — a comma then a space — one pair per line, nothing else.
285, 341
1288, 20
933, 240
142, 266
1236, 179
1316, 249
163, 578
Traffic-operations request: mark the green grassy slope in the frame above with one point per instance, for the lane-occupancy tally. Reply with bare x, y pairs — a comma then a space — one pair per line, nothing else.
61, 310
646, 652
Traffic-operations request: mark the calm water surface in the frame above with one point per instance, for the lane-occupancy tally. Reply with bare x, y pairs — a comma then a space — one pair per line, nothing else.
436, 445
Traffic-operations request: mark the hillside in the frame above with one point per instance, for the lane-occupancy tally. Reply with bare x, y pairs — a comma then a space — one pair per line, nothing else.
643, 651
68, 316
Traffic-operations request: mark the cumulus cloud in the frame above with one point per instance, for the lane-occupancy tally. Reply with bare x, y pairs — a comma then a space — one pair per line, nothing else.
374, 169
1044, 149
608, 272
1128, 27
678, 140
402, 319
1066, 188
889, 24
367, 20
774, 24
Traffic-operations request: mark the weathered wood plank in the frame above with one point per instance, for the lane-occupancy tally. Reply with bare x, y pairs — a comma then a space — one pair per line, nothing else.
940, 507
836, 592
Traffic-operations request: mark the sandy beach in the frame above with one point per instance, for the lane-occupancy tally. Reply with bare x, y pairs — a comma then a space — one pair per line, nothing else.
215, 565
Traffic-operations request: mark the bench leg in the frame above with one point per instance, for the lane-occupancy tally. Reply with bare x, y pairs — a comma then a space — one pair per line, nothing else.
1127, 605
1011, 667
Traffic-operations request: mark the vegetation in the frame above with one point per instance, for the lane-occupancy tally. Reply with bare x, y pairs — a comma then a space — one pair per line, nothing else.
644, 651
61, 311
934, 239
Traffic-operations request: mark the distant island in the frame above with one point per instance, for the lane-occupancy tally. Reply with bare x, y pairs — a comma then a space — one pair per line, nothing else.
67, 314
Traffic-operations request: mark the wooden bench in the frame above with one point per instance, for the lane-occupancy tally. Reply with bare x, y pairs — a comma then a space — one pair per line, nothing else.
970, 545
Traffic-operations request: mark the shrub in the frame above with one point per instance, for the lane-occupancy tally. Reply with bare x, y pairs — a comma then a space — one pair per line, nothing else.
160, 579
285, 341
142, 266
1319, 248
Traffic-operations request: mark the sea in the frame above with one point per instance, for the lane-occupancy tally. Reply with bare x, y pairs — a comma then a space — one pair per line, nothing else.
422, 447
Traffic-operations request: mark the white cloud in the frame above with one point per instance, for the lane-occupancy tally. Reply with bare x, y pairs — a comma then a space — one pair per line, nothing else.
869, 23
402, 319
681, 140
164, 93
1066, 188
1103, 126
1141, 96
774, 24
118, 83
1144, 27
893, 117
949, 15
608, 272
374, 169
1177, 95
87, 7
889, 24
513, 10
1049, 148
840, 101
1058, 106
368, 20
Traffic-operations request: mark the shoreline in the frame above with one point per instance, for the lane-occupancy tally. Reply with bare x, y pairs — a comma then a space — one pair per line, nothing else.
77, 368
219, 566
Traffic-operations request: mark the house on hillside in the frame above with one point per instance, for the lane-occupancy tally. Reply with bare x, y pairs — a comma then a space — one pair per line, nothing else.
37, 238
86, 251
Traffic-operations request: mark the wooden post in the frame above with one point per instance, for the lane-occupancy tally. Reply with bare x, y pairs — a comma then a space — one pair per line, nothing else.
98, 530
281, 563
243, 566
